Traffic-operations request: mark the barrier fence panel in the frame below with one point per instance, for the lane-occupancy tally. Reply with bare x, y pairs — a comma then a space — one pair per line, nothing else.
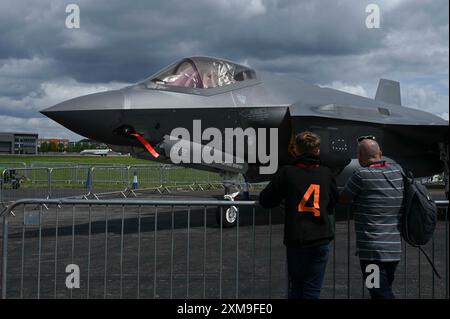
178, 177
206, 180
107, 180
12, 165
165, 178
50, 164
176, 249
146, 177
58, 182
69, 181
17, 183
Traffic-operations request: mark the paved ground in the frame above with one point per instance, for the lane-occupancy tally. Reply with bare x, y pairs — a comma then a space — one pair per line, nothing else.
176, 254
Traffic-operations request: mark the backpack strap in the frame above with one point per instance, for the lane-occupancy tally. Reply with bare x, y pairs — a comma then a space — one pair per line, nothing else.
430, 262
379, 164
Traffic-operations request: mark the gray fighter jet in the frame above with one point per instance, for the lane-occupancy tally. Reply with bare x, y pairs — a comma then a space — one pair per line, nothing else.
139, 119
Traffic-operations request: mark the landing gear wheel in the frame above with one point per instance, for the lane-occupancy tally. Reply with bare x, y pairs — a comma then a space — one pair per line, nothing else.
228, 214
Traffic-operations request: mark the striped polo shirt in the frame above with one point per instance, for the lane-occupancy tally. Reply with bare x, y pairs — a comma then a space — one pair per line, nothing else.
377, 193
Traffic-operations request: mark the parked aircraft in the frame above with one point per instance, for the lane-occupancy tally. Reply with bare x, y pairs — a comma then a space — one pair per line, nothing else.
101, 152
140, 118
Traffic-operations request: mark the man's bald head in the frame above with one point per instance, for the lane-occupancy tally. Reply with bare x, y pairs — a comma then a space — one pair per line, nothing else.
368, 152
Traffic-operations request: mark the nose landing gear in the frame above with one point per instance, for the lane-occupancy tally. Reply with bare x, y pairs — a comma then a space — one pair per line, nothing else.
227, 216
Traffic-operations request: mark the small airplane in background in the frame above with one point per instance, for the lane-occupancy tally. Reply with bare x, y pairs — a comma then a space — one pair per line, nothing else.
139, 119
101, 152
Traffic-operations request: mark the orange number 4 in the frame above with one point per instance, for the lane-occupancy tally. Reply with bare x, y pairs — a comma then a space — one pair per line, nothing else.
302, 208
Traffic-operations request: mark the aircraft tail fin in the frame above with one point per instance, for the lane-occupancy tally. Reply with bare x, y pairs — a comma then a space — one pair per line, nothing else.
388, 91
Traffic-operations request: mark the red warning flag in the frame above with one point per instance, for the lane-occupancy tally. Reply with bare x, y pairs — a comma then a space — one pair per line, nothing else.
147, 145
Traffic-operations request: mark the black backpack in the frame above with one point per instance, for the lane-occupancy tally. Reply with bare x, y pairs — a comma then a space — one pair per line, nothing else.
419, 216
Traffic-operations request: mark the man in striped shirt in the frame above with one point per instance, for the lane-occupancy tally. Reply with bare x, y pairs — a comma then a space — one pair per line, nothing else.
376, 190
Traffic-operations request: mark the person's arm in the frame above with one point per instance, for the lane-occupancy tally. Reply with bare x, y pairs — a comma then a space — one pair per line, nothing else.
351, 189
273, 194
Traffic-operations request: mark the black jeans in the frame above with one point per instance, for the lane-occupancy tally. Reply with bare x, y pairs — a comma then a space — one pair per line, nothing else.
306, 269
387, 276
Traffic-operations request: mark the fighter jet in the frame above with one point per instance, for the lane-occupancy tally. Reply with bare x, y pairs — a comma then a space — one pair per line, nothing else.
139, 119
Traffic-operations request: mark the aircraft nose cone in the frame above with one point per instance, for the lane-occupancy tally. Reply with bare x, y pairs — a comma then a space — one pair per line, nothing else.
93, 116
96, 101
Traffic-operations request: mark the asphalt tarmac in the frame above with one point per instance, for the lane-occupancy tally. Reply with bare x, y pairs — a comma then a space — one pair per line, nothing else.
165, 253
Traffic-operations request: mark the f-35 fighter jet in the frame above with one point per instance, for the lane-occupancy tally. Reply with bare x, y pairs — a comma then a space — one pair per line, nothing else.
215, 93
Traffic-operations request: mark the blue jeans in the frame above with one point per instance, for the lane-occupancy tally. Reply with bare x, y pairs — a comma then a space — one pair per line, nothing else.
387, 276
306, 269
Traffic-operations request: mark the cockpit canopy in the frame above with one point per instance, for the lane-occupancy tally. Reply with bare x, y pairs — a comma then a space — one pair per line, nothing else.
203, 73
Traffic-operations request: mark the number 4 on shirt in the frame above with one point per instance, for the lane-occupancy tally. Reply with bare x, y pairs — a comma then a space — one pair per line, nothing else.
313, 190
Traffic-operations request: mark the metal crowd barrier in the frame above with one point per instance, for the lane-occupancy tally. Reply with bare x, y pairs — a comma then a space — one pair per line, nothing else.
176, 249
13, 164
99, 181
50, 164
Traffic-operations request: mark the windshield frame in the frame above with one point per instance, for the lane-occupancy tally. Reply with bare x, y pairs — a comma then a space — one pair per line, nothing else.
149, 83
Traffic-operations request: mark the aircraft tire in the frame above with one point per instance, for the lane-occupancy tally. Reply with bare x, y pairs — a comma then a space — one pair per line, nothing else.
228, 215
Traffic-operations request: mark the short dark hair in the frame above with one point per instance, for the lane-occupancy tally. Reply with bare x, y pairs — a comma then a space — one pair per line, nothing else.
307, 142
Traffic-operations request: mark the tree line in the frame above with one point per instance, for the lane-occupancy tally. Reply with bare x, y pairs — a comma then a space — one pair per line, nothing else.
70, 148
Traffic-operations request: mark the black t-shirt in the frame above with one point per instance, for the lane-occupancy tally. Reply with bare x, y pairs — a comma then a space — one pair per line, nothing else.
310, 193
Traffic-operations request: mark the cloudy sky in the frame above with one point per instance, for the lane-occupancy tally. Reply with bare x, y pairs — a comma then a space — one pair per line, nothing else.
120, 42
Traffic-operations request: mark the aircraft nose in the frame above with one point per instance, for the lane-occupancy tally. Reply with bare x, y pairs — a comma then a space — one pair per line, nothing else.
94, 115
96, 101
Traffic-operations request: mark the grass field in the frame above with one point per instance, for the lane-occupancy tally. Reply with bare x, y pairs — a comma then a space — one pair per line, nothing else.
70, 159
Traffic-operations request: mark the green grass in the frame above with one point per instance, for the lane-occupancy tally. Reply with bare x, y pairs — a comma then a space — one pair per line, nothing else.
71, 159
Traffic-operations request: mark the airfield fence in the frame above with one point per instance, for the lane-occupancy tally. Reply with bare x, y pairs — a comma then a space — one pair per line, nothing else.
99, 181
13, 164
175, 249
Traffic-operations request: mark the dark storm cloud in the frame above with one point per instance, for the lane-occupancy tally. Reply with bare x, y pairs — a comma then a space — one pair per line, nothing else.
125, 41
324, 42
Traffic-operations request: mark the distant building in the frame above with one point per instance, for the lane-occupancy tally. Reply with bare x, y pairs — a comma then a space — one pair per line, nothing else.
18, 143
